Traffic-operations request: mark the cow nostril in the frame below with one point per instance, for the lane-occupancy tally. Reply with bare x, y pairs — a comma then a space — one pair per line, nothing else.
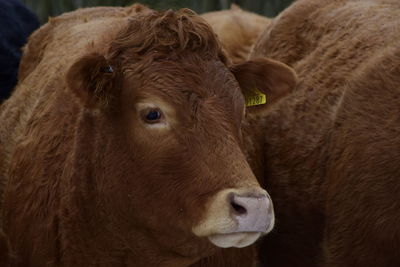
239, 209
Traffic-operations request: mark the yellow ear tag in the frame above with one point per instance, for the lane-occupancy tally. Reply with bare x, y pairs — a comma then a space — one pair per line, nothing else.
255, 98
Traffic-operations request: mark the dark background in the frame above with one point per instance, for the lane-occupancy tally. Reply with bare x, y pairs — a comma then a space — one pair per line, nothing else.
46, 8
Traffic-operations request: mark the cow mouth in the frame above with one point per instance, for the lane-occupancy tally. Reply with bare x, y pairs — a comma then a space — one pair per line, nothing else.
238, 239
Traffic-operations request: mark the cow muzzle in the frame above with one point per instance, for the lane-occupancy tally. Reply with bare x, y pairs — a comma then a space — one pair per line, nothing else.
237, 217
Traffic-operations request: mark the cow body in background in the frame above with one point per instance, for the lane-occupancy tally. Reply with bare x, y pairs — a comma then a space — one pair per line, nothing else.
332, 147
238, 30
122, 146
17, 23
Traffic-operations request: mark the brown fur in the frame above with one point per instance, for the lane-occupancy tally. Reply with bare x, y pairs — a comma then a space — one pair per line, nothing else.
83, 182
238, 30
231, 257
332, 148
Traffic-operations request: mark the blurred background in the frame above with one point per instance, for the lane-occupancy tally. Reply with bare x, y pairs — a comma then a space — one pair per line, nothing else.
46, 8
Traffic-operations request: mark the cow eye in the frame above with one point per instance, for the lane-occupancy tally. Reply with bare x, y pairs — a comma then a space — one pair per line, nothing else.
153, 116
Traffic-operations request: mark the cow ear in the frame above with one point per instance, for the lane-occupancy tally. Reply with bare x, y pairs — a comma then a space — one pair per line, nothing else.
264, 81
92, 79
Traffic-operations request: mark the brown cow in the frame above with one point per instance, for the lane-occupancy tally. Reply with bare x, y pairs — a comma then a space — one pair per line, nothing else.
238, 30
332, 147
121, 145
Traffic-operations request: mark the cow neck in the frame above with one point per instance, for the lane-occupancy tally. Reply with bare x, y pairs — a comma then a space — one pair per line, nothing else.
297, 135
253, 141
296, 139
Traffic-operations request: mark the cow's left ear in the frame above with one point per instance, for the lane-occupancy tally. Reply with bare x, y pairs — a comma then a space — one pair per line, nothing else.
93, 80
263, 81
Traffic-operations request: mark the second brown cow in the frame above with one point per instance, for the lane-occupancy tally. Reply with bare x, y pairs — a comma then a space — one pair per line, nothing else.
332, 147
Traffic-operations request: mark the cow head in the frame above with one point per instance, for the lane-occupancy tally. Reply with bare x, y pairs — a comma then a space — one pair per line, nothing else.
169, 163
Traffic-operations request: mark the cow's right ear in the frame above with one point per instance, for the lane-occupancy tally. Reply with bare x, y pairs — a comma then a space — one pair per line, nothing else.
264, 81
92, 79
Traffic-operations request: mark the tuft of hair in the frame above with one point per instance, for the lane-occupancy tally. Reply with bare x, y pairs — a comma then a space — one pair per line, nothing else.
169, 34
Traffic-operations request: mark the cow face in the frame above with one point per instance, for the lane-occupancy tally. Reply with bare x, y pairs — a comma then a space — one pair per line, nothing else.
176, 172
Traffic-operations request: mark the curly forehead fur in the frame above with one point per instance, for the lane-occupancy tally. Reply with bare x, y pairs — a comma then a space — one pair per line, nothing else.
169, 33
